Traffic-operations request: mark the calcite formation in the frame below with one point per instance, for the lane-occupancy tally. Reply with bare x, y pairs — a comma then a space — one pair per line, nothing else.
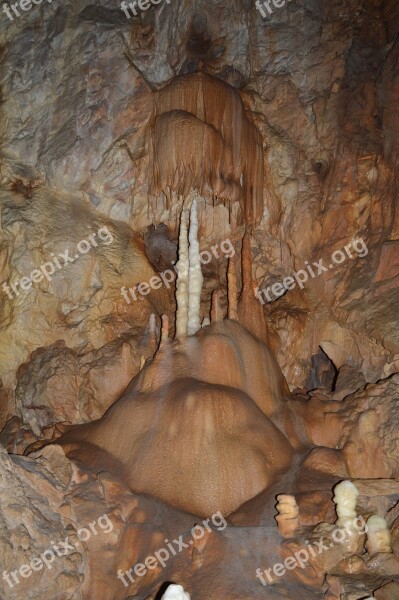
345, 498
204, 139
197, 427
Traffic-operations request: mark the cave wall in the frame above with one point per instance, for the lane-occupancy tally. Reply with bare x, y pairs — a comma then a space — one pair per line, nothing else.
320, 81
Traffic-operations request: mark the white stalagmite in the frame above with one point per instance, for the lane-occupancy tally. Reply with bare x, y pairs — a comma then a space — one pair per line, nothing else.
195, 278
182, 279
378, 536
345, 498
288, 517
175, 592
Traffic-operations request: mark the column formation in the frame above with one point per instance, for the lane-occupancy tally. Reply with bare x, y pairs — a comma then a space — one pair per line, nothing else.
189, 275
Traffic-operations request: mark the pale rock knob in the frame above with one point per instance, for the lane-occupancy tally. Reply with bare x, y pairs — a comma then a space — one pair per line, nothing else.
378, 536
175, 592
205, 322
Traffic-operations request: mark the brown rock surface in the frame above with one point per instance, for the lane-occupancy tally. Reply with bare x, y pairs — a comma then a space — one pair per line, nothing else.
33, 490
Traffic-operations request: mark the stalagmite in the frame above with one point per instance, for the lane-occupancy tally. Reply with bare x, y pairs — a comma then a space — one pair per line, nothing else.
175, 592
345, 498
182, 279
232, 290
205, 322
378, 536
195, 278
288, 517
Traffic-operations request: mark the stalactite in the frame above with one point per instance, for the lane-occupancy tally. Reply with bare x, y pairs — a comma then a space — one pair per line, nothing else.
164, 330
182, 298
250, 310
195, 278
232, 290
204, 139
246, 260
216, 311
